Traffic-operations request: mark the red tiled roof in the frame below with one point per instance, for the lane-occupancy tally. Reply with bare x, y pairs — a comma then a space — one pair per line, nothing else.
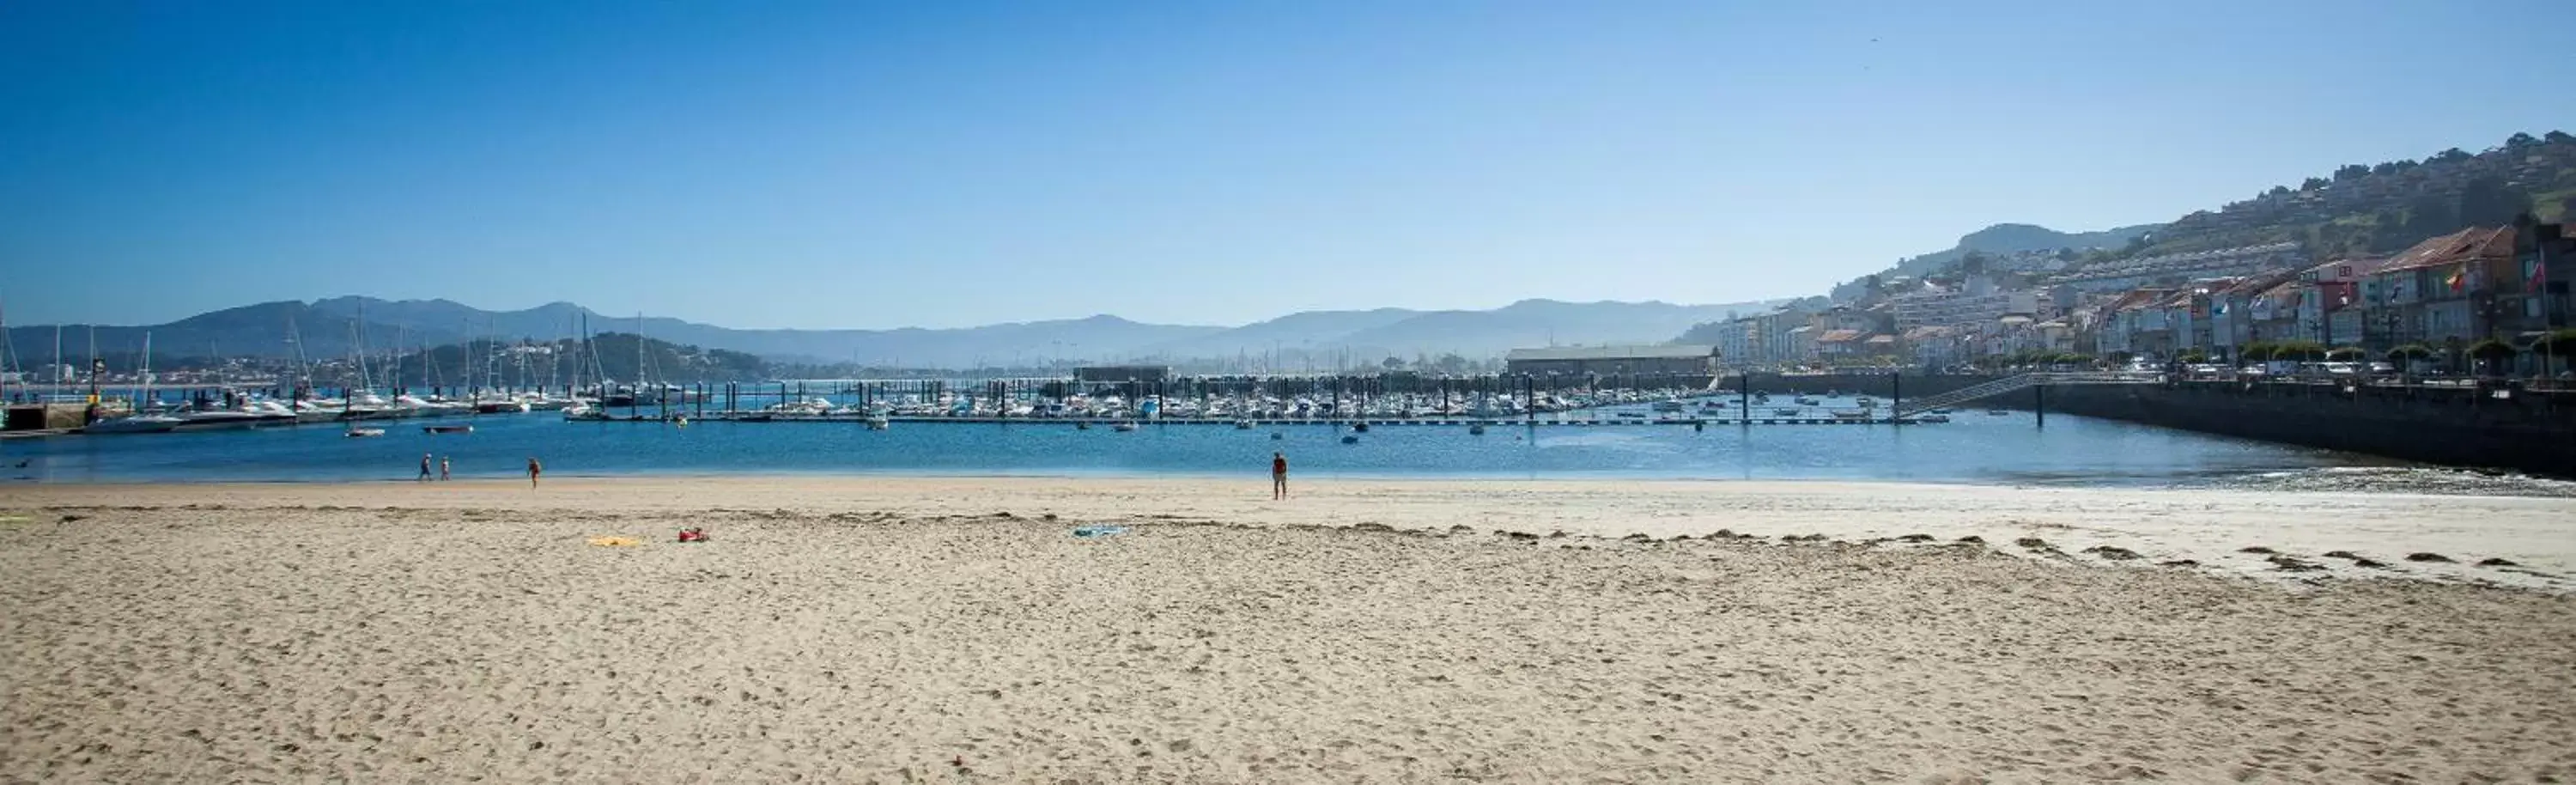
1838, 336
2363, 266
2261, 281
2137, 298
2459, 246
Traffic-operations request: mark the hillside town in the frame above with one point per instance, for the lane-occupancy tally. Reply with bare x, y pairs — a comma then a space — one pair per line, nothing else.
2486, 297
2481, 299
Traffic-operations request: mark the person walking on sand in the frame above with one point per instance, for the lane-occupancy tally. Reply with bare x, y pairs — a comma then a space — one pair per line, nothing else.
442, 469
533, 471
1278, 476
424, 468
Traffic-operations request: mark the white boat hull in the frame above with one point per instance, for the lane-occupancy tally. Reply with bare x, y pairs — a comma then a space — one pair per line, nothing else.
135, 424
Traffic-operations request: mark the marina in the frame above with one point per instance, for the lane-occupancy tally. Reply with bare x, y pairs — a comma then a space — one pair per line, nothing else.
1693, 402
1588, 442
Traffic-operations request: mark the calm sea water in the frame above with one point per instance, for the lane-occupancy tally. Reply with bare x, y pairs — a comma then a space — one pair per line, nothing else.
1977, 447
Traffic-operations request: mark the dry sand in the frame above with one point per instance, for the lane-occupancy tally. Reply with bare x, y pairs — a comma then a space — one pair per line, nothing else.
900, 630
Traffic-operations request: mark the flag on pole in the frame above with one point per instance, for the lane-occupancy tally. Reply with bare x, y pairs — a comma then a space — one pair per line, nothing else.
2539, 276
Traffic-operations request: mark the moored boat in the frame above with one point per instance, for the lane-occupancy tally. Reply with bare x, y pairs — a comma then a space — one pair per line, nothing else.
217, 420
139, 423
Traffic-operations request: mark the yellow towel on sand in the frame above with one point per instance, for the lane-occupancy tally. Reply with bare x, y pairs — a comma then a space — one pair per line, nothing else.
615, 542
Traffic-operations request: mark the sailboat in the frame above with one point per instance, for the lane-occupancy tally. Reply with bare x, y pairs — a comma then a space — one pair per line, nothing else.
140, 421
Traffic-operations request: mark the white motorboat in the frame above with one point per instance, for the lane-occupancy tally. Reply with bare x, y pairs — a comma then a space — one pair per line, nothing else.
271, 413
421, 407
308, 411
217, 420
139, 423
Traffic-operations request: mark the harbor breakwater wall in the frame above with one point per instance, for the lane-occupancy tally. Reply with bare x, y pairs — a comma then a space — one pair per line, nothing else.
2487, 426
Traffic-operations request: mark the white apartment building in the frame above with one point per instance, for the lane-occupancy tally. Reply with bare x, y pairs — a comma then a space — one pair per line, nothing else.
1943, 309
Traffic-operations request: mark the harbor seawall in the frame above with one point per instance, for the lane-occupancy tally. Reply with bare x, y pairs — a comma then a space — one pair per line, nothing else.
2492, 426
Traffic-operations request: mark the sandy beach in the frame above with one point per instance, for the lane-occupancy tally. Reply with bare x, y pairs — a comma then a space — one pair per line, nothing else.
953, 630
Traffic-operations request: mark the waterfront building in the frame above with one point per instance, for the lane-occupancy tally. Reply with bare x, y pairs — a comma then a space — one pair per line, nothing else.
2173, 269
1680, 359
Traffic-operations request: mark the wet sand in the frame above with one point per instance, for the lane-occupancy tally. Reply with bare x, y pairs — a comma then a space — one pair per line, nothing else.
907, 630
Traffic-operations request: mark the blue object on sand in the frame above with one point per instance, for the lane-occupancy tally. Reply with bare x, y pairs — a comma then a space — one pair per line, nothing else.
1097, 531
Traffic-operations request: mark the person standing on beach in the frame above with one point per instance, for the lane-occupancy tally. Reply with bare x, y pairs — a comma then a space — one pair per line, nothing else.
1278, 476
442, 470
533, 471
424, 468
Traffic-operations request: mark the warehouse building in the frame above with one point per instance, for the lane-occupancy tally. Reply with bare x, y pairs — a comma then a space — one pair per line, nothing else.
1677, 359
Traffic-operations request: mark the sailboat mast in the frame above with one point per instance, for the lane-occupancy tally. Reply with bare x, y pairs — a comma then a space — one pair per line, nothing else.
303, 366
9, 346
635, 403
358, 349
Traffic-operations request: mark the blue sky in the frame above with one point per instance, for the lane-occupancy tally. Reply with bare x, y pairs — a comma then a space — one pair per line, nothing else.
851, 164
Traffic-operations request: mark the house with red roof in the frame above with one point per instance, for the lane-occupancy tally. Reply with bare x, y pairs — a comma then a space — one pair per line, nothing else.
2442, 292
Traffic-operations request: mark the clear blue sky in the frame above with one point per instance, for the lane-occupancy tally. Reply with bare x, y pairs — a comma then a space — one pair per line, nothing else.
851, 164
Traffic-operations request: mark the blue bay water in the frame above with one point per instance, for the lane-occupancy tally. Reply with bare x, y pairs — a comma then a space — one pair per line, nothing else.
1976, 448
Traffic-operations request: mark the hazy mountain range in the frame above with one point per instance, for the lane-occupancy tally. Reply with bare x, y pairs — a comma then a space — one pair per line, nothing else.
330, 328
